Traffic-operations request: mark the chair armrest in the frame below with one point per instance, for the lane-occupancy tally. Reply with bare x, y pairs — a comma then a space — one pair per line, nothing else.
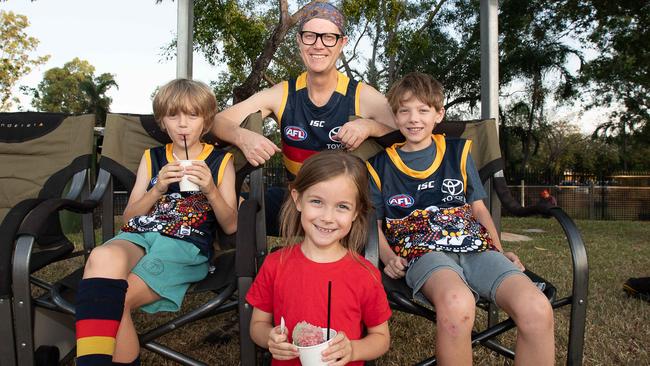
8, 230
511, 205
39, 214
246, 239
371, 250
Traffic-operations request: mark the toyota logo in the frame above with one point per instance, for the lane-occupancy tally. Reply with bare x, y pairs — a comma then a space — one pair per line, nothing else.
333, 132
452, 187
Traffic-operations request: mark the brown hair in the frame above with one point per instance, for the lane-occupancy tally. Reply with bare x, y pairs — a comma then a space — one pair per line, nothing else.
416, 84
319, 168
187, 96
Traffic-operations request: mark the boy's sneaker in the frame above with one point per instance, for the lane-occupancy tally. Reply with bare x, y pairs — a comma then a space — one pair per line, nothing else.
638, 287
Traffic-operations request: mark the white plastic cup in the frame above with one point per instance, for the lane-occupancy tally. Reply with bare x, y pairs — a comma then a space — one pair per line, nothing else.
312, 355
185, 184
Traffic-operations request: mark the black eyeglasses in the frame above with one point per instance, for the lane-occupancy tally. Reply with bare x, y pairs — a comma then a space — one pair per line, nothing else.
329, 39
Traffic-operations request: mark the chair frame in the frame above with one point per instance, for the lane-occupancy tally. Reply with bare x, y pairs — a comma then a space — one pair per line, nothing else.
101, 195
16, 304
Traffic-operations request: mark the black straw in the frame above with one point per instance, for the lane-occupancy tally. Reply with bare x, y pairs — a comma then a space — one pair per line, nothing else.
329, 305
187, 156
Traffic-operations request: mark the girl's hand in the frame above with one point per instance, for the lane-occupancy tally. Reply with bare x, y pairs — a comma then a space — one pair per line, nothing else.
340, 350
515, 260
200, 174
170, 173
279, 347
395, 267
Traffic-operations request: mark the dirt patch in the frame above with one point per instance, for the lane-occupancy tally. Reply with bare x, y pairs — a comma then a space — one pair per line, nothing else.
514, 237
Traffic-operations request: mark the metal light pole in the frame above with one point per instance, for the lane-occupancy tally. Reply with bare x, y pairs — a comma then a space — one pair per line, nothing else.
184, 25
490, 83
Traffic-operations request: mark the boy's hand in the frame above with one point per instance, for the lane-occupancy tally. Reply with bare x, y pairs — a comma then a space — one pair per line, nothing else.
395, 267
279, 347
515, 260
200, 174
170, 173
339, 350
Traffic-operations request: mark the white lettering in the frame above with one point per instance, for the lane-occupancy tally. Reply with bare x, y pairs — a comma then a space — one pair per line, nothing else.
334, 146
426, 185
315, 123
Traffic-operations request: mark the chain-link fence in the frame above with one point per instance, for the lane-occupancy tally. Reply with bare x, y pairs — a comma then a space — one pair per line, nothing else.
621, 196
591, 201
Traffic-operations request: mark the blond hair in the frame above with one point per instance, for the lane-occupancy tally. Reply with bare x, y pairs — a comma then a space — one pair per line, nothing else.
416, 84
323, 167
187, 96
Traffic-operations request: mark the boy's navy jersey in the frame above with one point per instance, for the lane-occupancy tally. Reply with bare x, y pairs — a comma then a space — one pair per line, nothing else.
308, 129
183, 215
427, 210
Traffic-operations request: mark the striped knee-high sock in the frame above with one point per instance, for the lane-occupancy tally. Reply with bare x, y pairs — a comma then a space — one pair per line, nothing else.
100, 303
135, 362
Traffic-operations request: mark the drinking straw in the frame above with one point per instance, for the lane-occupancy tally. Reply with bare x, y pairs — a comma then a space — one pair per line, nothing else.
187, 156
329, 305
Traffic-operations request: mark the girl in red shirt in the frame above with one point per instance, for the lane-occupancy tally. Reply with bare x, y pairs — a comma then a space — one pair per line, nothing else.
324, 223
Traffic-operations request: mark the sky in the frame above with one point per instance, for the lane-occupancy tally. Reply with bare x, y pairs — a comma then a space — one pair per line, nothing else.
126, 38
121, 37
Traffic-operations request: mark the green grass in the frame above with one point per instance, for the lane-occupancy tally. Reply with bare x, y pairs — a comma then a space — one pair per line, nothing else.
617, 326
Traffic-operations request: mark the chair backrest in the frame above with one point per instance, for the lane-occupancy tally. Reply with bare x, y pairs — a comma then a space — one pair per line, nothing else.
483, 133
126, 136
41, 150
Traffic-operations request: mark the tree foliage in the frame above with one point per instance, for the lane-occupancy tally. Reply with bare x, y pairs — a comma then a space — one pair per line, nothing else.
620, 74
15, 61
74, 88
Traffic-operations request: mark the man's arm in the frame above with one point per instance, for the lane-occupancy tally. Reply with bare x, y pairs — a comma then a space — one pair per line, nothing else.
374, 105
257, 148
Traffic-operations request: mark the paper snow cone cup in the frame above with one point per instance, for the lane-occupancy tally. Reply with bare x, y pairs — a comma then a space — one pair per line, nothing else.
312, 355
185, 184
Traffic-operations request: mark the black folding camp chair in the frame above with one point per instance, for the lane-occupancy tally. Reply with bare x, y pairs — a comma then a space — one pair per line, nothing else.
125, 138
44, 156
486, 153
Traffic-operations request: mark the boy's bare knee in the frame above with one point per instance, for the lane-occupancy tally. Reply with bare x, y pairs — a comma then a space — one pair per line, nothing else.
106, 261
536, 316
455, 312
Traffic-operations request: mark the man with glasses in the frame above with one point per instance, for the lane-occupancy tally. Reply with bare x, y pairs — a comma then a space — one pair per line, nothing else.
313, 110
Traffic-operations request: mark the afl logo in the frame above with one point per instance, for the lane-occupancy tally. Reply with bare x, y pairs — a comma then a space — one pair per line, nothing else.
333, 132
401, 200
452, 187
294, 133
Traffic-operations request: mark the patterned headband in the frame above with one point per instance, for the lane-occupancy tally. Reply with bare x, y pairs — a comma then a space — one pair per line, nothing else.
325, 11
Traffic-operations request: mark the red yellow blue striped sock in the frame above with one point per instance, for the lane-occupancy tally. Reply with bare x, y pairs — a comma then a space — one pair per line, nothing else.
100, 303
135, 362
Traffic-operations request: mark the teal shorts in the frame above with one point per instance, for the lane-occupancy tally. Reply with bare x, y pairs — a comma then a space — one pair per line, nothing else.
168, 267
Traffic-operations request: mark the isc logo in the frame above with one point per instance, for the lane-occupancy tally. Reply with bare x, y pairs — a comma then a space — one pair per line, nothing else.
295, 133
401, 200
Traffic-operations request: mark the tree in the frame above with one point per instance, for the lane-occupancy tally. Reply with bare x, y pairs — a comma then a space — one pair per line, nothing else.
74, 88
15, 62
96, 99
620, 74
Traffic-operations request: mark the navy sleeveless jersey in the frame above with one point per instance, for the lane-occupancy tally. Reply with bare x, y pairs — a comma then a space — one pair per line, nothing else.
427, 210
184, 215
308, 129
